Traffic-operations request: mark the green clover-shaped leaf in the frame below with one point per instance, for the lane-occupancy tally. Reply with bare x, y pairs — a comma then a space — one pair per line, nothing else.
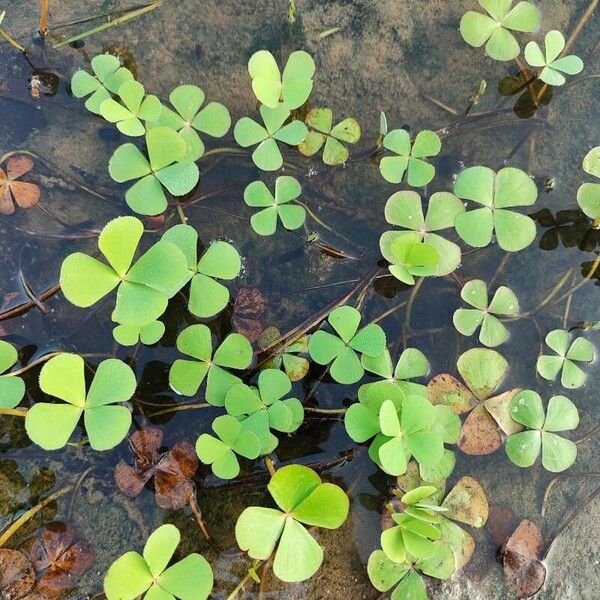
524, 448
51, 425
569, 353
409, 256
134, 574
108, 77
467, 320
409, 157
208, 296
189, 118
267, 155
186, 376
341, 350
404, 209
302, 498
293, 89
291, 215
12, 387
493, 30
295, 367
220, 452
266, 408
323, 133
588, 195
496, 192
553, 67
166, 167
143, 290
411, 363
134, 108
130, 335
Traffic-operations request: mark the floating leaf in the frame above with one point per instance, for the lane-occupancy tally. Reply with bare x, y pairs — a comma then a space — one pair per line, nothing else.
267, 155
291, 215
553, 67
167, 167
324, 134
172, 471
405, 210
495, 30
17, 576
409, 157
568, 354
342, 350
12, 189
248, 308
466, 502
108, 77
293, 89
525, 573
143, 290
189, 118
106, 421
12, 387
130, 335
186, 376
303, 498
295, 366
409, 256
524, 448
496, 192
132, 574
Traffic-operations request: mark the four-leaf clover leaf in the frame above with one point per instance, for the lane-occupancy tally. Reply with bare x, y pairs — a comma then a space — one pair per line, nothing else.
410, 157
496, 192
467, 320
220, 452
264, 408
293, 89
108, 77
221, 260
405, 209
135, 108
341, 349
553, 67
186, 376
569, 353
408, 256
493, 30
134, 574
167, 167
143, 290
301, 498
189, 118
12, 387
523, 448
291, 215
267, 155
324, 133
51, 425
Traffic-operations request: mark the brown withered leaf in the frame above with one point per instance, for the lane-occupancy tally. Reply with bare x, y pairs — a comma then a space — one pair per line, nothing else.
480, 434
17, 575
525, 573
466, 502
12, 190
172, 471
60, 557
446, 389
248, 308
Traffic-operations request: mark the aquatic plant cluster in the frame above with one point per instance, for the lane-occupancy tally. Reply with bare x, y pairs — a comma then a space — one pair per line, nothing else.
409, 426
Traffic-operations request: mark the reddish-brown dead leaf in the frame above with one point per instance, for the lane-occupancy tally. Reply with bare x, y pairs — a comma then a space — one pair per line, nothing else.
23, 193
17, 575
248, 308
479, 435
525, 573
446, 389
172, 472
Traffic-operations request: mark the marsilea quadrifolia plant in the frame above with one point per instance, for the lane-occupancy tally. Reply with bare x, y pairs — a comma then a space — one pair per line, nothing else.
255, 395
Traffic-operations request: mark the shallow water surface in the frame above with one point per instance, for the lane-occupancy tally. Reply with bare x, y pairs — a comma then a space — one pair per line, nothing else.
407, 59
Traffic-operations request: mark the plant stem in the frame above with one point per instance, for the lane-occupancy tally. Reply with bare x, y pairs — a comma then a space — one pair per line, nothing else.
11, 40
238, 588
27, 516
198, 514
13, 412
326, 411
270, 465
44, 18
177, 408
